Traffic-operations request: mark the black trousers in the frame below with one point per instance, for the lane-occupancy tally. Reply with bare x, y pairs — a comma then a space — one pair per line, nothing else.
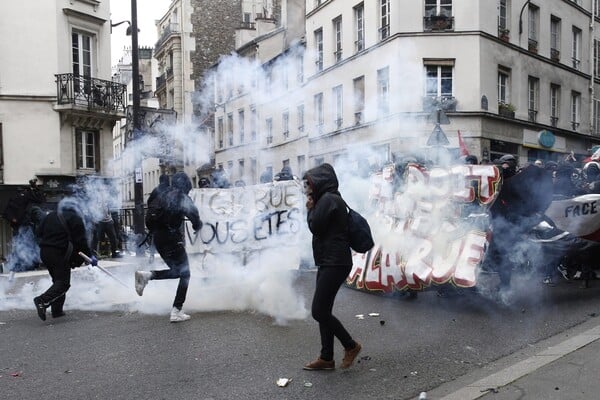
329, 281
103, 228
171, 249
60, 272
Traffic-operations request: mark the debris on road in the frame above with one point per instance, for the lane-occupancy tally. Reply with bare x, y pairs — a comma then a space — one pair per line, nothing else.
16, 374
373, 314
283, 382
423, 396
308, 384
360, 316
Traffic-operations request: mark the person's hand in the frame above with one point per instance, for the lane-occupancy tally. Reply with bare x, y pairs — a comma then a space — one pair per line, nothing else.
94, 261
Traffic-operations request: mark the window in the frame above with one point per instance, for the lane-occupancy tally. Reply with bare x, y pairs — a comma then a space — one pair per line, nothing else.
285, 123
230, 129
253, 123
533, 94
241, 168
503, 86
554, 104
319, 49
86, 149
300, 68
383, 91
241, 125
269, 128
596, 122
359, 99
384, 25
438, 8
220, 131
82, 60
359, 27
319, 115
253, 168
300, 114
575, 109
337, 34
554, 38
533, 17
301, 164
438, 80
596, 57
503, 17
338, 106
596, 7
576, 50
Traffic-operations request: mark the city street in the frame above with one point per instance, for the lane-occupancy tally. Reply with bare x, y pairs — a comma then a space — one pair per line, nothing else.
413, 345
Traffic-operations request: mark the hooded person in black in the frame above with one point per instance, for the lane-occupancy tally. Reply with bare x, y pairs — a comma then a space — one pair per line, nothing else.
170, 243
328, 221
62, 236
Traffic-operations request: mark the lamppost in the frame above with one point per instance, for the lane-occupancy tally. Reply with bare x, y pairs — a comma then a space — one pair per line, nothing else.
138, 186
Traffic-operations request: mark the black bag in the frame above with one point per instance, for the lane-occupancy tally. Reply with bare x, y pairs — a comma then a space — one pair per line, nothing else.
156, 215
359, 232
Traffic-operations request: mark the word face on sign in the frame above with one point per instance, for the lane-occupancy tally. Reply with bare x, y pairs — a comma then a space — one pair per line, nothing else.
435, 232
250, 217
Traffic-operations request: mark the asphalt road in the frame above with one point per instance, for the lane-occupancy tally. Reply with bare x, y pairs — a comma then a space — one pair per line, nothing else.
413, 345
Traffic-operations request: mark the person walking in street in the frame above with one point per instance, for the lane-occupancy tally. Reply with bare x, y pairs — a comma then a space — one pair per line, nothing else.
175, 206
328, 222
62, 236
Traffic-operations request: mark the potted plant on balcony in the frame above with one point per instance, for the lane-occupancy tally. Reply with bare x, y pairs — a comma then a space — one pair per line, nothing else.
506, 110
504, 34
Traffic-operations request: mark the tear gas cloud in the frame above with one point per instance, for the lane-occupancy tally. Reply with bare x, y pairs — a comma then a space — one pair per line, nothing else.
265, 282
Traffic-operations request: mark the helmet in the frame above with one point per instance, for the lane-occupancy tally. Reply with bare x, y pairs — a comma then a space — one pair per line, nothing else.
591, 171
507, 158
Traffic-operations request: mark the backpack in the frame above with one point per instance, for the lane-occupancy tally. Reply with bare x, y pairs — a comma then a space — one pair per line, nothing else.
359, 232
156, 215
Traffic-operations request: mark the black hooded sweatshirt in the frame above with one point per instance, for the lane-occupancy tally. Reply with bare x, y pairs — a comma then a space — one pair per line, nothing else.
328, 219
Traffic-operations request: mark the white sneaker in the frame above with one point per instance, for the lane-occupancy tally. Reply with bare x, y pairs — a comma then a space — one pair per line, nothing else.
141, 280
178, 315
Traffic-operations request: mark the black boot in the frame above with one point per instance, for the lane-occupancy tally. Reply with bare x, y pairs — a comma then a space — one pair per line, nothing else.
40, 308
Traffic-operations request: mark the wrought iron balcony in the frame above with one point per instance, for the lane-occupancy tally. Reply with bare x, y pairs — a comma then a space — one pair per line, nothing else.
445, 103
171, 29
92, 93
438, 23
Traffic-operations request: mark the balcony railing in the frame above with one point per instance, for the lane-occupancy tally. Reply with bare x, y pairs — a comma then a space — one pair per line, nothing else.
445, 103
247, 25
92, 93
554, 121
532, 115
554, 55
169, 30
161, 81
532, 45
438, 23
574, 125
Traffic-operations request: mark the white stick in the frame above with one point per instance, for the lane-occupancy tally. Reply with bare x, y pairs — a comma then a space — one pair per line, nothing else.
89, 260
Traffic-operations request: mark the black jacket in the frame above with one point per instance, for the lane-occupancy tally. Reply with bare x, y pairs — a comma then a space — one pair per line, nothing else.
328, 219
179, 205
53, 234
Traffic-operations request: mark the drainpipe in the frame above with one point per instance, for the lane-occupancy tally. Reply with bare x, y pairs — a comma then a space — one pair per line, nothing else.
592, 70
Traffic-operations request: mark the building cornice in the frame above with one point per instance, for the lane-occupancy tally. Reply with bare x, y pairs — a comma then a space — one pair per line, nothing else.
83, 16
26, 97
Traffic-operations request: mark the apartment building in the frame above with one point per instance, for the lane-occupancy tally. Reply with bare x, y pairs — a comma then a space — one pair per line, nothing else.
58, 103
516, 77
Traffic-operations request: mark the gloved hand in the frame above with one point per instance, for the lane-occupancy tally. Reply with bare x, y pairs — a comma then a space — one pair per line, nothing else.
94, 261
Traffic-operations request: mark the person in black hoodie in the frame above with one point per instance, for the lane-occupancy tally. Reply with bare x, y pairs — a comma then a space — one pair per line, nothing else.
62, 236
327, 219
170, 243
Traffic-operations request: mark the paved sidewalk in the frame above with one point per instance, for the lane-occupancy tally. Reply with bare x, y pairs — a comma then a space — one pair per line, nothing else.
563, 367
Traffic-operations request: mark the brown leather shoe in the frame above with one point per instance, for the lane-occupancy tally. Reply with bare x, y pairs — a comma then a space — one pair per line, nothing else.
350, 355
320, 365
